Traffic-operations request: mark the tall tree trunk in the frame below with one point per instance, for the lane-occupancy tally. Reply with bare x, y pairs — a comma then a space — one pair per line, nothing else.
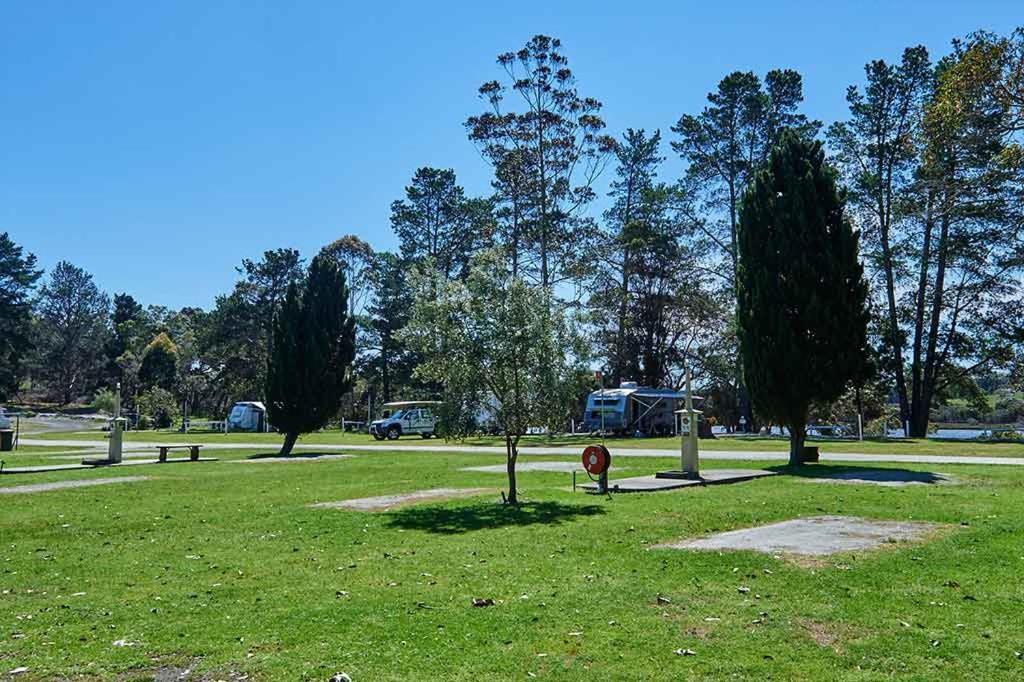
620, 341
797, 436
511, 454
289, 443
919, 306
919, 428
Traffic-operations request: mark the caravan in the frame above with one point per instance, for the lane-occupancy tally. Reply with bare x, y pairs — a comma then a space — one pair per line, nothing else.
632, 409
248, 416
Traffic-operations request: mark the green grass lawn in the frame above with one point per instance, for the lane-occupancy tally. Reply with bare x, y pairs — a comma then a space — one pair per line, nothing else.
879, 446
225, 567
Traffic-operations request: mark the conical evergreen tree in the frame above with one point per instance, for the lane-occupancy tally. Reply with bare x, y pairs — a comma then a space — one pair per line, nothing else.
802, 294
314, 346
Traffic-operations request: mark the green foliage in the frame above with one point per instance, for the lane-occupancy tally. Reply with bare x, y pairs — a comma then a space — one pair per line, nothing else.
314, 345
437, 222
105, 401
498, 347
160, 406
159, 363
72, 326
18, 276
802, 295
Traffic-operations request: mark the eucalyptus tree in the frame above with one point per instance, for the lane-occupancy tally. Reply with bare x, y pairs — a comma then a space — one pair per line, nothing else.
498, 347
546, 145
879, 150
929, 154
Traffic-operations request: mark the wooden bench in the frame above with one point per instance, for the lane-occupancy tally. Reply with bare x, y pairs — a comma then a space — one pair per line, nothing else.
193, 451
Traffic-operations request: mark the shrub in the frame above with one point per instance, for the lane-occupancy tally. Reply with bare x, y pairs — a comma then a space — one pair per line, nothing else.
160, 406
105, 401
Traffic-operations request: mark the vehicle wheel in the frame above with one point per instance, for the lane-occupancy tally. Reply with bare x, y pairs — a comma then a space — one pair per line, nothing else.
394, 432
377, 436
426, 436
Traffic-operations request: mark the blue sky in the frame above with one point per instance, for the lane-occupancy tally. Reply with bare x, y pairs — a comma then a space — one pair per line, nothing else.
156, 144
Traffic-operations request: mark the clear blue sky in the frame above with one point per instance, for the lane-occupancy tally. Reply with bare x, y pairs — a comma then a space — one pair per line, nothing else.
156, 144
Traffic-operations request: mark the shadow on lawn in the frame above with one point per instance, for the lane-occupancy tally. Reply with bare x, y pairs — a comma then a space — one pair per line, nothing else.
878, 475
294, 455
451, 520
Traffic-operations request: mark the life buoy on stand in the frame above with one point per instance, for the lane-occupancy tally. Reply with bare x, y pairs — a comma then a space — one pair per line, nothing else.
596, 461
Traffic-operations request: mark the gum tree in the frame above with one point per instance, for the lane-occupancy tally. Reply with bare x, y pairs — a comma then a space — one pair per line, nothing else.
500, 349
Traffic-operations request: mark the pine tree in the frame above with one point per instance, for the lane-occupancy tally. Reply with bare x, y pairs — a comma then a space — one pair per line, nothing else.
801, 290
18, 277
310, 367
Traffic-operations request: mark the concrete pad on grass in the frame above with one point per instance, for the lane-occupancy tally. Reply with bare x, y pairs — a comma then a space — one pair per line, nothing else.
812, 536
643, 484
62, 485
385, 502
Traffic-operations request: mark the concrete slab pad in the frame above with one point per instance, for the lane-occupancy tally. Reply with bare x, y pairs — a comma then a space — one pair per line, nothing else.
385, 502
43, 468
61, 485
813, 536
638, 484
292, 459
896, 478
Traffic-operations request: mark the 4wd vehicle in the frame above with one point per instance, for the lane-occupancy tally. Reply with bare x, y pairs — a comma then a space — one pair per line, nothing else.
405, 418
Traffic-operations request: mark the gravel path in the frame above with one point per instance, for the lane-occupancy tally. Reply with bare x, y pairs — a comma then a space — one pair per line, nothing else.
725, 455
61, 485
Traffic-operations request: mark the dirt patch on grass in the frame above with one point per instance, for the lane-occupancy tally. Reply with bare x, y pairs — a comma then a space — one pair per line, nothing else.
827, 635
385, 502
62, 485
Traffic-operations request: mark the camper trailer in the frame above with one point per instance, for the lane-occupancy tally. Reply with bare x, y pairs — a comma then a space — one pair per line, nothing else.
632, 409
405, 418
248, 416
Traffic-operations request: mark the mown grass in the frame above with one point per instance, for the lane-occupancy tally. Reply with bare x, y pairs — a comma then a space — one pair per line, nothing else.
740, 443
225, 567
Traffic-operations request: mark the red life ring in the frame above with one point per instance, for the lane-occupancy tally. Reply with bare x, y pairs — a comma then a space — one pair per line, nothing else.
596, 459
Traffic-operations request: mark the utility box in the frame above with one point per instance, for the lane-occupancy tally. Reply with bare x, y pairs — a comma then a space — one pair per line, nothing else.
689, 423
6, 440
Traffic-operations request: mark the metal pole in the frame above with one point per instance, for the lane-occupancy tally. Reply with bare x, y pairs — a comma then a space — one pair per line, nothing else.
602, 408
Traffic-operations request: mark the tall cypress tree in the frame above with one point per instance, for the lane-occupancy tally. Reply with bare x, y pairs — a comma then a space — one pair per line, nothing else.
314, 345
801, 289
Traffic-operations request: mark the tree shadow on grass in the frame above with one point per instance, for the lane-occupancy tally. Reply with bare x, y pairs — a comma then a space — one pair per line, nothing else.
855, 474
298, 455
482, 515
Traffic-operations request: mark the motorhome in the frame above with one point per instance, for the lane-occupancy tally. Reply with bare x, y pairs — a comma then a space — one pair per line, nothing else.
248, 416
631, 409
413, 417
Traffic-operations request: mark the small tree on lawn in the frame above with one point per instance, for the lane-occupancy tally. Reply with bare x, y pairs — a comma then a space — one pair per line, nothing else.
802, 294
501, 349
310, 368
